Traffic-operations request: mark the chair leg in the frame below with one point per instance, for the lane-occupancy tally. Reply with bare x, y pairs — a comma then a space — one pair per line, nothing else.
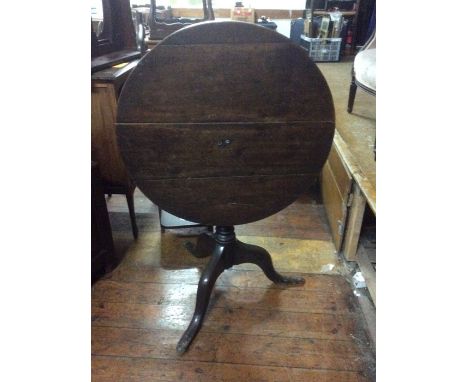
131, 210
352, 95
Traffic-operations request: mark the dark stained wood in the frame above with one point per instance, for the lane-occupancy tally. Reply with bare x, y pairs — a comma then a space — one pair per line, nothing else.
228, 252
117, 42
235, 82
212, 126
294, 146
108, 60
304, 219
116, 74
226, 200
225, 123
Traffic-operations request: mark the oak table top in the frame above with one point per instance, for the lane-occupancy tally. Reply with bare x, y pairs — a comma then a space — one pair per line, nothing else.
225, 123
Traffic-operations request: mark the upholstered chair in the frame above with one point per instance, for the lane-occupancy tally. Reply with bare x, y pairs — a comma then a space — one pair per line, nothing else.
363, 72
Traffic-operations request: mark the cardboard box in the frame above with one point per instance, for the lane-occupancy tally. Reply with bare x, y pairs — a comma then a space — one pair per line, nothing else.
243, 14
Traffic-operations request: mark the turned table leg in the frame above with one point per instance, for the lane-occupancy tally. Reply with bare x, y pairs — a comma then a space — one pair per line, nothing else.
247, 253
215, 267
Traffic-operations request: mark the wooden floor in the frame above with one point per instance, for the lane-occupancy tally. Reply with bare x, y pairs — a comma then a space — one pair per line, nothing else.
253, 331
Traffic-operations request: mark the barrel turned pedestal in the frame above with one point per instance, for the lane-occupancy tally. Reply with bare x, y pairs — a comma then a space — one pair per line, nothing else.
225, 123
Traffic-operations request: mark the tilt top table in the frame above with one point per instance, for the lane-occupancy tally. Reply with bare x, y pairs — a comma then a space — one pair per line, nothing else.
225, 123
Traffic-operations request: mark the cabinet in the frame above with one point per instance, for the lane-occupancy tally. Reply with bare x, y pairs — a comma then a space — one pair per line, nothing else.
105, 89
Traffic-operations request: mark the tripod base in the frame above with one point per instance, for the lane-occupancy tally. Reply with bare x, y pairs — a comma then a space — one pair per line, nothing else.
226, 252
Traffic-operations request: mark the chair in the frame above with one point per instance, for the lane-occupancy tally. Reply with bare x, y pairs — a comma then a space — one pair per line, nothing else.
363, 72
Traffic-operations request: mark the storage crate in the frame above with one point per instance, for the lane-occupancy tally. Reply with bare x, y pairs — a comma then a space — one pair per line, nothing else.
322, 49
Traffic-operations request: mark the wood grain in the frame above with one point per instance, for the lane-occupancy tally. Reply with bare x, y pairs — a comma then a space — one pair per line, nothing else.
331, 326
142, 322
225, 123
321, 301
127, 369
341, 175
335, 204
226, 200
254, 149
366, 185
247, 82
311, 332
239, 279
104, 149
336, 183
135, 333
243, 349
354, 224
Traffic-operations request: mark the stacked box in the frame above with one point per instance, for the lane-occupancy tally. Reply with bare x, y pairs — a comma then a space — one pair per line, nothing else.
243, 14
322, 49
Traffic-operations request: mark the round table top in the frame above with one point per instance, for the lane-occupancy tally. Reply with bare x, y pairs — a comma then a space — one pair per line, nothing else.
225, 123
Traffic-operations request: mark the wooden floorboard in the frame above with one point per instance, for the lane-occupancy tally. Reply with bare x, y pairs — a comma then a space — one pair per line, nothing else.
231, 277
227, 320
253, 331
128, 369
316, 326
230, 347
288, 300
